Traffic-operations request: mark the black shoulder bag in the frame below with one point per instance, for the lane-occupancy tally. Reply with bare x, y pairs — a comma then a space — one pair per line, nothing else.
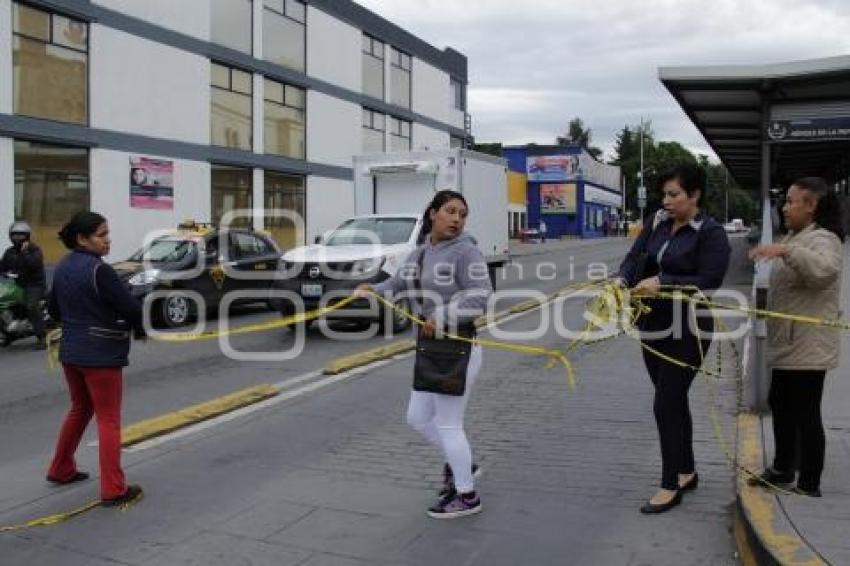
441, 363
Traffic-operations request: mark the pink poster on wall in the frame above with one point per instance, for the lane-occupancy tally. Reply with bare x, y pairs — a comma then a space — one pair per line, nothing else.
151, 183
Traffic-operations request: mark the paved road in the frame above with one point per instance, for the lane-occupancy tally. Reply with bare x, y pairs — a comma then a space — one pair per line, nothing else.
335, 477
165, 377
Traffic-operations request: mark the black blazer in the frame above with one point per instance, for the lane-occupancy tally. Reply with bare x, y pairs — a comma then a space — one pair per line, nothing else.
697, 255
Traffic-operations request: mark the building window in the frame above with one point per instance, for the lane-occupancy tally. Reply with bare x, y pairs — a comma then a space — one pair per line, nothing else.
284, 23
374, 126
399, 134
456, 141
284, 119
50, 59
373, 67
285, 193
457, 94
231, 99
399, 78
51, 185
232, 191
231, 22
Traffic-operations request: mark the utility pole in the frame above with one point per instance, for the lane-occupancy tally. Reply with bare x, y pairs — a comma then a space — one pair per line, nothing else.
642, 187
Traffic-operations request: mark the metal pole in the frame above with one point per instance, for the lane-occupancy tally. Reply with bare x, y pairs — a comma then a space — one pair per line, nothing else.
727, 193
642, 184
758, 381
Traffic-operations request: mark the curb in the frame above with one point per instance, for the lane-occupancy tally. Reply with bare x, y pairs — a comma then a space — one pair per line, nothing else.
359, 359
770, 537
163, 424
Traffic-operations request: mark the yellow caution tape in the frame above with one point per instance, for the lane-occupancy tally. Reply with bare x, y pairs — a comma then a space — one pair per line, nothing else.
555, 356
51, 519
631, 310
290, 320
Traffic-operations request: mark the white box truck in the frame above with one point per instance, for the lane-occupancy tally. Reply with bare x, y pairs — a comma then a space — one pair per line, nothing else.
391, 192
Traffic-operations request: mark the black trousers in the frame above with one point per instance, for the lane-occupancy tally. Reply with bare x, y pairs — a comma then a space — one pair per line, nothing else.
795, 399
671, 408
32, 298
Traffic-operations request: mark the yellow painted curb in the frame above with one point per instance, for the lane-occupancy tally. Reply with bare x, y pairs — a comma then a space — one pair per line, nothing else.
157, 426
346, 363
746, 552
760, 507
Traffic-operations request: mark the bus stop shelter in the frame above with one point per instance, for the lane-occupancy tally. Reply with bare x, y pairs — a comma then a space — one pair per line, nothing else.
770, 124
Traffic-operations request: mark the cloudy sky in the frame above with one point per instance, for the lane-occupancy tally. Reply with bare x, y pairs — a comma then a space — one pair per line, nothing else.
535, 64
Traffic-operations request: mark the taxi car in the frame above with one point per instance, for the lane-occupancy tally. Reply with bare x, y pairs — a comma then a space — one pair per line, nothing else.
202, 259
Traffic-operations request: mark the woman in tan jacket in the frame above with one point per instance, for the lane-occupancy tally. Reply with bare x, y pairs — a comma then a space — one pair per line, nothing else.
805, 280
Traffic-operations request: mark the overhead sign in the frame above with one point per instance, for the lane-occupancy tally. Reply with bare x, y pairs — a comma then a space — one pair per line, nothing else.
558, 199
552, 167
807, 130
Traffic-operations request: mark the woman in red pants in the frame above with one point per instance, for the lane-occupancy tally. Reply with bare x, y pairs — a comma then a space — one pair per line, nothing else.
97, 314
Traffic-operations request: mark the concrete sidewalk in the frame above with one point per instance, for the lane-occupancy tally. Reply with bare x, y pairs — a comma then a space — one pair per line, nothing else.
792, 529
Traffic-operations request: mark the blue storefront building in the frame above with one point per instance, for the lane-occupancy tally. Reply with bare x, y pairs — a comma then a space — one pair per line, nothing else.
569, 190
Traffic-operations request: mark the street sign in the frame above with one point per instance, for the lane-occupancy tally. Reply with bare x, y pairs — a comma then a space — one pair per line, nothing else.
641, 203
641, 193
834, 128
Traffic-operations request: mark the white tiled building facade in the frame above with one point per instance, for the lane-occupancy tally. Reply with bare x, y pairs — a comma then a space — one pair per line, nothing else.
253, 104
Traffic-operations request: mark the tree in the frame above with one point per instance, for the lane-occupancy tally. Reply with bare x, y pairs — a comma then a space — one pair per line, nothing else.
490, 148
578, 134
719, 183
627, 156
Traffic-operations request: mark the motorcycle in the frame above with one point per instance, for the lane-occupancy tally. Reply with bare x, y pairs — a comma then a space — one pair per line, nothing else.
14, 322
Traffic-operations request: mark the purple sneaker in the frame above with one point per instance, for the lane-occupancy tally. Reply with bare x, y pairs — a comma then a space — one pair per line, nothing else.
458, 505
448, 488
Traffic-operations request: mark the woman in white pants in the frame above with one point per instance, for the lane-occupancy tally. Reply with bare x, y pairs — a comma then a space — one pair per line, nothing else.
448, 276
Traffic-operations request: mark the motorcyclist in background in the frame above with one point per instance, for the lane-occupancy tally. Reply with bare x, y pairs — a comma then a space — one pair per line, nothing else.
25, 260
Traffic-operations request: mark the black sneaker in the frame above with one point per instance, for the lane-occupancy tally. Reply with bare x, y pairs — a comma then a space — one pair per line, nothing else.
458, 505
133, 494
771, 477
449, 480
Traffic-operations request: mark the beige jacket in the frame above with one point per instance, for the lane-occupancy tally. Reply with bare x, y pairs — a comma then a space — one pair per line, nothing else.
806, 282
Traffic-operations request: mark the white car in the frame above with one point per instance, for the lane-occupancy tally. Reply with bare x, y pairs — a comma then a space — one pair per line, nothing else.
736, 225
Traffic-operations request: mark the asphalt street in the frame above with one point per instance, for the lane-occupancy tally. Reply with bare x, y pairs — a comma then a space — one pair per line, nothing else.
332, 475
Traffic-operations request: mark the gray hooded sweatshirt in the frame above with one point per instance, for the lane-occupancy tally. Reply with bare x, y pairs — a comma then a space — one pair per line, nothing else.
455, 282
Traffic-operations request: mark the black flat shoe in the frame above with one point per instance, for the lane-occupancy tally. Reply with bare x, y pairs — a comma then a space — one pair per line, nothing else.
655, 508
691, 484
79, 476
771, 477
133, 493
807, 492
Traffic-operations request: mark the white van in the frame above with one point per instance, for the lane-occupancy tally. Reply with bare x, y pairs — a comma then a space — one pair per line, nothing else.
391, 192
